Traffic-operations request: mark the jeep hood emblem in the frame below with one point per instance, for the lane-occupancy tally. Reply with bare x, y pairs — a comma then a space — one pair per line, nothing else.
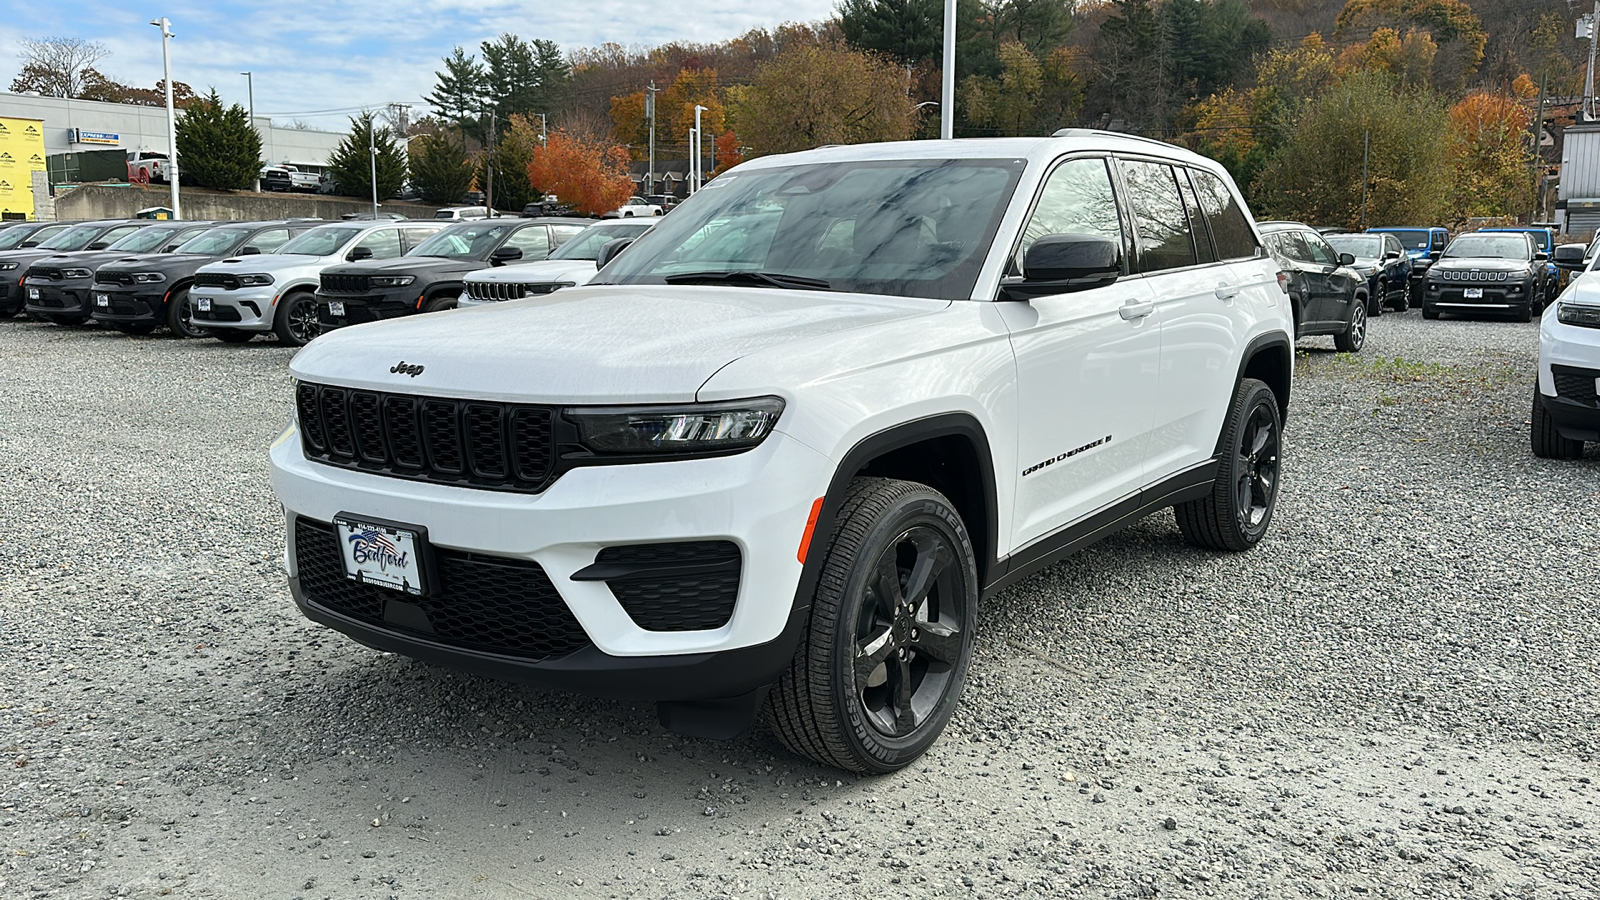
403, 369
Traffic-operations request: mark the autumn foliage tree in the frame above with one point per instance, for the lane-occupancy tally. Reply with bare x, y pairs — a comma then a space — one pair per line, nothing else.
589, 175
1488, 147
814, 95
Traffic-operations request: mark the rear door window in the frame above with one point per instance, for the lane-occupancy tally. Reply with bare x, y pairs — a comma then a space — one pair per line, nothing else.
415, 236
1229, 228
534, 242
1163, 225
268, 240
384, 244
1197, 219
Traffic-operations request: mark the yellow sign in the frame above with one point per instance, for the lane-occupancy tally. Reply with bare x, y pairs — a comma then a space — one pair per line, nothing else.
21, 154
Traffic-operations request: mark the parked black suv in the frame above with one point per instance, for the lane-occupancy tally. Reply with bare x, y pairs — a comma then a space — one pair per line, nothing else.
24, 236
429, 278
1502, 272
1385, 265
1326, 294
138, 294
58, 272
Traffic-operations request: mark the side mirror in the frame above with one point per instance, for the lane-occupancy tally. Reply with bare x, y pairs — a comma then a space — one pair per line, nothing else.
250, 251
1346, 259
1570, 257
609, 251
359, 253
1392, 254
1062, 263
1541, 256
505, 254
97, 245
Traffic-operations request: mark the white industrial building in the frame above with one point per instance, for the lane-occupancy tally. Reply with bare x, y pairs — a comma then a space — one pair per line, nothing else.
73, 126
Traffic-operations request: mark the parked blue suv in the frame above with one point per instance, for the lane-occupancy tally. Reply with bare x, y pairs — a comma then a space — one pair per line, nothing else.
1423, 244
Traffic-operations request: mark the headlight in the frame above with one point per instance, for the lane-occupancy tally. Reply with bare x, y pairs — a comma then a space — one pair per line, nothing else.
7, 266
692, 429
76, 273
148, 277
248, 280
1368, 271
392, 280
1584, 316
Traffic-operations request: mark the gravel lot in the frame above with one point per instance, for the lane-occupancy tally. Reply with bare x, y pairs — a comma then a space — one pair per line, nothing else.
1395, 695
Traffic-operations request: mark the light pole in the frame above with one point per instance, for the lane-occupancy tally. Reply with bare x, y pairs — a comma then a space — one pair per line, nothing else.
172, 118
250, 89
372, 145
650, 110
947, 108
695, 148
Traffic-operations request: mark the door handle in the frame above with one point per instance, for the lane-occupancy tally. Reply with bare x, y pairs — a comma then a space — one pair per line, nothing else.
1136, 309
1226, 292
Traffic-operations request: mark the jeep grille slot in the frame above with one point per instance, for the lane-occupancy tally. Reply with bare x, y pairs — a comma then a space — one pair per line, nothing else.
1576, 384
470, 443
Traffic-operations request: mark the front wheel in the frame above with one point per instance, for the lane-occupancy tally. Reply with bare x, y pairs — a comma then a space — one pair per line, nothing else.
885, 654
1548, 443
1235, 515
440, 304
296, 323
180, 316
1355, 331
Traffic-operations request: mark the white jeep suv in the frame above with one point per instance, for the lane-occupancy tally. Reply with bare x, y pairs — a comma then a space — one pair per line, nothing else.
1566, 397
774, 455
571, 264
237, 298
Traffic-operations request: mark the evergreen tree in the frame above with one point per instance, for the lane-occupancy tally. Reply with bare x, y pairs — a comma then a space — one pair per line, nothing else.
351, 162
513, 151
461, 96
440, 168
217, 146
516, 78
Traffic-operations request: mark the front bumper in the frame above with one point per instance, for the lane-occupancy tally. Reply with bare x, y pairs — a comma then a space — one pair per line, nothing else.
1573, 399
58, 298
370, 307
125, 304
246, 308
759, 500
1497, 296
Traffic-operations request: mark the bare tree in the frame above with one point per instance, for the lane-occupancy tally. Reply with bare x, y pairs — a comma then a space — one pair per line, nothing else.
57, 66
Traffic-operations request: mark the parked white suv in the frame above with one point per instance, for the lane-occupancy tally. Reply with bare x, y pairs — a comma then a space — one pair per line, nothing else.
237, 298
775, 453
571, 264
1566, 399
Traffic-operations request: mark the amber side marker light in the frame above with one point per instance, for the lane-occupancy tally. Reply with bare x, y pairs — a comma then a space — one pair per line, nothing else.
811, 525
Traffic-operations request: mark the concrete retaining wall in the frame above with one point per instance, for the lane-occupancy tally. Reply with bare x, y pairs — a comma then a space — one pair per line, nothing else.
105, 201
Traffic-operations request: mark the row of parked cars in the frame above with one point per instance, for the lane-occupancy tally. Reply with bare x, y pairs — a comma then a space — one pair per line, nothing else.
292, 277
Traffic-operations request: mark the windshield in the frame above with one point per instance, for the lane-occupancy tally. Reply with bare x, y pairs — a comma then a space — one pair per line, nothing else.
1489, 246
216, 242
589, 241
74, 238
471, 240
1358, 245
12, 237
1413, 238
324, 240
143, 240
911, 228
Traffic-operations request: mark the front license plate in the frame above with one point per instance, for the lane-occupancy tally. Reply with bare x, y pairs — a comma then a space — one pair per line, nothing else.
33, 293
203, 304
335, 307
1473, 293
385, 555
102, 300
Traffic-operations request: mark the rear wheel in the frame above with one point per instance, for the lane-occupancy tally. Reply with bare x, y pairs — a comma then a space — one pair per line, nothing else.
296, 322
1403, 299
886, 651
1235, 515
1355, 331
1547, 441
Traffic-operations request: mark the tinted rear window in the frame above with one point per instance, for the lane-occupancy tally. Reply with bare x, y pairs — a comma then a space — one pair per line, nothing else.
1230, 229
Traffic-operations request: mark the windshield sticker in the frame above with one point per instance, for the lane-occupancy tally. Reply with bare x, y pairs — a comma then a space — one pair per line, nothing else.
722, 181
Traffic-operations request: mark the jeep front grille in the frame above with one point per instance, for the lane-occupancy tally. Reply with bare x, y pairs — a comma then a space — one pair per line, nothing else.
471, 443
509, 290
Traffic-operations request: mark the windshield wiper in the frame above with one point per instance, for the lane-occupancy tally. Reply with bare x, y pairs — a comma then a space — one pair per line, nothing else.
752, 278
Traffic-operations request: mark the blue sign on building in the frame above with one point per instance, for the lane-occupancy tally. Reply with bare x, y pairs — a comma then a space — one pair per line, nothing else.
79, 136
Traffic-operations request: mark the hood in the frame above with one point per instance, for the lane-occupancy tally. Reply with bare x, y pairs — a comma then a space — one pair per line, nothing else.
266, 262
88, 259
406, 264
1487, 264
601, 344
157, 262
577, 271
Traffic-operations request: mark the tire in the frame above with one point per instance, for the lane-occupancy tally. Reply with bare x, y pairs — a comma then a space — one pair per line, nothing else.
1250, 460
1354, 336
1547, 441
1404, 302
230, 335
137, 329
296, 322
1375, 306
874, 681
439, 304
1429, 311
179, 319
7, 312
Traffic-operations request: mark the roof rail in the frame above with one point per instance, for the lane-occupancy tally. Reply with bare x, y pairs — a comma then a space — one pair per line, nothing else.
1100, 132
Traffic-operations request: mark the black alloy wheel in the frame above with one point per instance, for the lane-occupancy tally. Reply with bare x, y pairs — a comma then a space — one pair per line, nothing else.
880, 669
180, 316
297, 323
1237, 511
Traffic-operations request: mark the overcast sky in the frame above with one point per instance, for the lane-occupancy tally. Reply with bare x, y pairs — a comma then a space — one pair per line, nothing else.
308, 58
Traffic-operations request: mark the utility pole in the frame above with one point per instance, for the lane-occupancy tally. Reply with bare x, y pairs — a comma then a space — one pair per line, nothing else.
488, 192
650, 110
1588, 79
250, 88
172, 117
1534, 159
372, 147
947, 95
1366, 154
699, 160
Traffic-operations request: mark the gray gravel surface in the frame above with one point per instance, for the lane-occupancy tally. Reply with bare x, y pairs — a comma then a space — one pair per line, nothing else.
1395, 695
